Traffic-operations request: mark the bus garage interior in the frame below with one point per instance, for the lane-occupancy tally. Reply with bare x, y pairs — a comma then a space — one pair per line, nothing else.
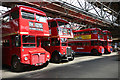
81, 14
103, 15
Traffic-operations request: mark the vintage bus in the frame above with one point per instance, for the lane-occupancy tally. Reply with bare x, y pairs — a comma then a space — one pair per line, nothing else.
90, 33
107, 41
22, 30
57, 43
87, 41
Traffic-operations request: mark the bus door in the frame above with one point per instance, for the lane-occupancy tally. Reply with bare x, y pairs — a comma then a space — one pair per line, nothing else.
16, 44
45, 43
55, 44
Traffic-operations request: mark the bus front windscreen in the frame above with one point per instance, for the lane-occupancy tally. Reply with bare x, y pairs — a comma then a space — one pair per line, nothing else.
28, 41
65, 28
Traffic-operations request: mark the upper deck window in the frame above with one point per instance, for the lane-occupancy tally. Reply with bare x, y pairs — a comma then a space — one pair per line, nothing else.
61, 24
27, 15
104, 33
6, 43
52, 24
96, 43
95, 32
15, 15
41, 18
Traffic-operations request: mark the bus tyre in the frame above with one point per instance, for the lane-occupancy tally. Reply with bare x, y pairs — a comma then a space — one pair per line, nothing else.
106, 51
45, 64
95, 52
72, 58
16, 65
56, 58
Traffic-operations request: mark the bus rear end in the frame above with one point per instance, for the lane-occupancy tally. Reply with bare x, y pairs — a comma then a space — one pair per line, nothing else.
107, 41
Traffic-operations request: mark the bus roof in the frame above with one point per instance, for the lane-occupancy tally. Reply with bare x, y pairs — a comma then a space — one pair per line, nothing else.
89, 29
25, 8
106, 31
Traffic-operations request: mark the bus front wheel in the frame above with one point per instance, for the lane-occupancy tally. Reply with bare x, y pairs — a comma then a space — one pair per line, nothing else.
16, 65
95, 52
106, 51
56, 58
72, 58
45, 64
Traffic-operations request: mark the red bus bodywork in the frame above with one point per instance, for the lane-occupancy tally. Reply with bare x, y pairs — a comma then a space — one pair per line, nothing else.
87, 41
90, 33
107, 41
22, 32
60, 32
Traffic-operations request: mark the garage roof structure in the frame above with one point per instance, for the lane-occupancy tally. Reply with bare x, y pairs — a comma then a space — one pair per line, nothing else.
106, 15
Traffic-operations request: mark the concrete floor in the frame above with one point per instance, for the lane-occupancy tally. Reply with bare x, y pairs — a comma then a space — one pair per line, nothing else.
105, 66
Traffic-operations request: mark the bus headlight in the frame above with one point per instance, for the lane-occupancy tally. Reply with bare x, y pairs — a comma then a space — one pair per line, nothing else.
48, 56
26, 58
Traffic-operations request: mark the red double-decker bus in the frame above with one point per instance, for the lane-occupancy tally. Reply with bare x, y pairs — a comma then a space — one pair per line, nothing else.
87, 41
22, 30
107, 41
60, 32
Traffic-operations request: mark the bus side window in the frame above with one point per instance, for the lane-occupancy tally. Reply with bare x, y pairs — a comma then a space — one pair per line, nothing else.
15, 15
6, 43
74, 33
79, 44
16, 41
69, 44
92, 43
82, 33
6, 18
87, 32
87, 43
52, 42
53, 24
57, 42
45, 43
84, 43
